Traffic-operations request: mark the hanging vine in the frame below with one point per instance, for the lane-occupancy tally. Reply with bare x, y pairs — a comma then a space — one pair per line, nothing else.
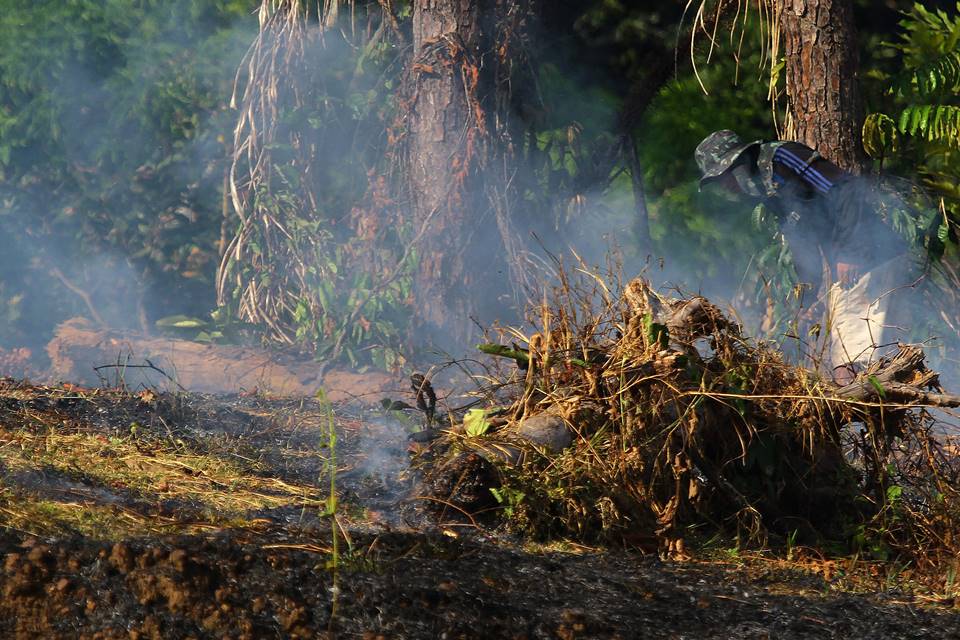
310, 114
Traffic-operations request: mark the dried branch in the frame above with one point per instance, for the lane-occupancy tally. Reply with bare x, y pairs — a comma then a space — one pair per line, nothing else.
83, 295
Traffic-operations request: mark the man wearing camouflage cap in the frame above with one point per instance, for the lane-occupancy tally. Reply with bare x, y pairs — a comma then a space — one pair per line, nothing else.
835, 226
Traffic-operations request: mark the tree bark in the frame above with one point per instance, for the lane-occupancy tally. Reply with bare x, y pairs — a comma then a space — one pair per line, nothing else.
445, 149
824, 105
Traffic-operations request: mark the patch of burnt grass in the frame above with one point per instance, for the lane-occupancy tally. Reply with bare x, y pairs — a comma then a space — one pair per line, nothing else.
109, 464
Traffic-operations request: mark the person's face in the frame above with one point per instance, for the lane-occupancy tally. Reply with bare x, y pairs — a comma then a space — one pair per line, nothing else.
725, 185
728, 181
732, 182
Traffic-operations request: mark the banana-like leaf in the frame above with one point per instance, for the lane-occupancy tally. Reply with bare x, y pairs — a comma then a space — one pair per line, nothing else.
181, 322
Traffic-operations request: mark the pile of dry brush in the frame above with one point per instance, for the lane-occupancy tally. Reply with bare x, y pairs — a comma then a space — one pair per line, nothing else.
679, 424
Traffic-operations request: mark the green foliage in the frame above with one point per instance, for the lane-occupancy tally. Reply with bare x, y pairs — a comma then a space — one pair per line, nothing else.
916, 131
115, 135
113, 130
880, 135
928, 37
509, 498
568, 157
475, 423
940, 75
926, 95
655, 334
303, 265
936, 123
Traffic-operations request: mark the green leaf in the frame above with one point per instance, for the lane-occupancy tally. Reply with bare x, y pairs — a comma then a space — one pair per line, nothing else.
880, 137
943, 127
875, 383
521, 356
475, 423
656, 333
894, 493
181, 322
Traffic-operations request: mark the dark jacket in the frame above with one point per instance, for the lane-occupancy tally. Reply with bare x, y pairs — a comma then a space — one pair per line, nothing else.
826, 215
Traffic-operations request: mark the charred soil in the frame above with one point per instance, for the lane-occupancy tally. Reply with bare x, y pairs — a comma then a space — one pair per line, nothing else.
273, 584
147, 515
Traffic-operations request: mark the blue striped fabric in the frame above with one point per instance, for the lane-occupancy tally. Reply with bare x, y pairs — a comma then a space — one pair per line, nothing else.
806, 171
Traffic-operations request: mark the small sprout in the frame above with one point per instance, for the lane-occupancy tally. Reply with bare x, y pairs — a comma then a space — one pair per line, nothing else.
330, 506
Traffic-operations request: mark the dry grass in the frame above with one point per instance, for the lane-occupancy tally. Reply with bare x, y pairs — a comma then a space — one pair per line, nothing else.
77, 461
100, 486
684, 426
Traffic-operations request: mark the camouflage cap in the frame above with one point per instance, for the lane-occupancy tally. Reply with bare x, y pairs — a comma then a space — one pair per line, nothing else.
718, 152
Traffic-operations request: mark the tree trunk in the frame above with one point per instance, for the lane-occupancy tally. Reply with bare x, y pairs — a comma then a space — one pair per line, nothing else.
824, 106
641, 223
446, 137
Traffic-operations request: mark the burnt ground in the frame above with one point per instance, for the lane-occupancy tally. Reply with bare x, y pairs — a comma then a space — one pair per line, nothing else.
146, 515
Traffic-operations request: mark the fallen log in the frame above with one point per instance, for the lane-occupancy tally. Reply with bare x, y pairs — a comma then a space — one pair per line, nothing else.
86, 354
901, 378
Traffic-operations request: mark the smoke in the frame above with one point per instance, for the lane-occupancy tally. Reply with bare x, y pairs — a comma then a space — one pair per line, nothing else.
118, 214
112, 163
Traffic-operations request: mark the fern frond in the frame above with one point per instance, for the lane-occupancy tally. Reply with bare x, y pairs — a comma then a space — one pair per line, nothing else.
880, 135
939, 75
936, 123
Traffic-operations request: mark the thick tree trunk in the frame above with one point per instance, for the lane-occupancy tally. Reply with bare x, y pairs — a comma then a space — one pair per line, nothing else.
446, 134
824, 106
